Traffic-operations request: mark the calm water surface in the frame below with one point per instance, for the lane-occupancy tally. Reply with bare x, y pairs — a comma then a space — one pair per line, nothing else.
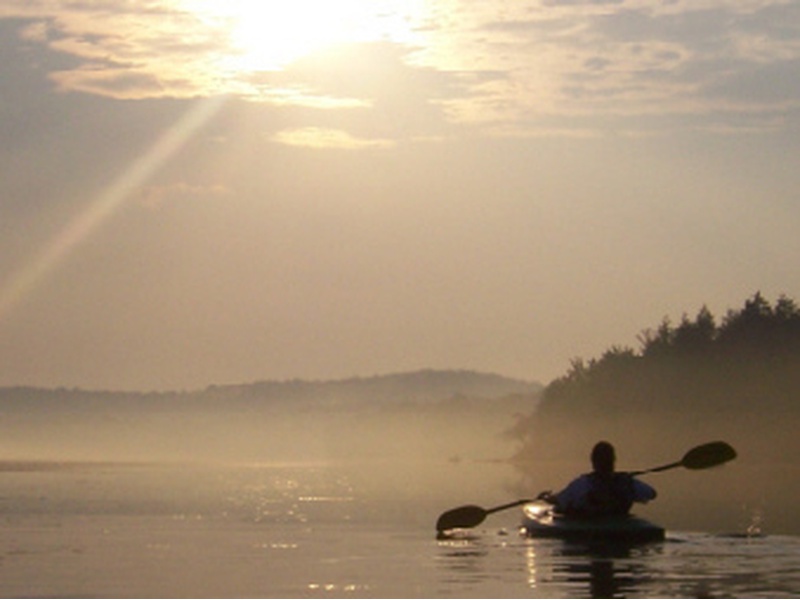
331, 531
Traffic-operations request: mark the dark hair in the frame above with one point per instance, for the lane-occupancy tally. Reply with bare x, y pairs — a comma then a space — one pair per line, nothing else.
603, 457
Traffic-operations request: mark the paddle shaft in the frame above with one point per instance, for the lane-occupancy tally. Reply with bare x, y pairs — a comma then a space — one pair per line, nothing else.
506, 506
658, 469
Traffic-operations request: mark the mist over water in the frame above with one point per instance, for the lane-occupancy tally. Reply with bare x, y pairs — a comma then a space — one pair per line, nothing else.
415, 454
272, 436
171, 496
346, 529
404, 438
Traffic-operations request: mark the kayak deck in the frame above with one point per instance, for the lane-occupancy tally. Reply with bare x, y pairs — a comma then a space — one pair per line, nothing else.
540, 522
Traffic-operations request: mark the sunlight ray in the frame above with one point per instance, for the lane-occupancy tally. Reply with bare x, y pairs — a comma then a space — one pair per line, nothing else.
20, 285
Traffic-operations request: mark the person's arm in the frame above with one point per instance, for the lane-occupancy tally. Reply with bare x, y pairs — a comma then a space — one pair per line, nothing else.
568, 497
643, 492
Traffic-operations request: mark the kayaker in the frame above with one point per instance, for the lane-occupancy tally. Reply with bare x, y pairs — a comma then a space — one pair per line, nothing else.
603, 492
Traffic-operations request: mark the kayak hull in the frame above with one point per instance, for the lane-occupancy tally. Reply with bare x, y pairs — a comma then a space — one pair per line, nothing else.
541, 522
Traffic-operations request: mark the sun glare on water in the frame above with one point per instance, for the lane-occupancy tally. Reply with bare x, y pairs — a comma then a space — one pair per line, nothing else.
268, 35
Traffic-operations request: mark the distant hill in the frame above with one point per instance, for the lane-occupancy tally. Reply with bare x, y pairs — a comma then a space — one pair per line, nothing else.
444, 411
412, 388
417, 387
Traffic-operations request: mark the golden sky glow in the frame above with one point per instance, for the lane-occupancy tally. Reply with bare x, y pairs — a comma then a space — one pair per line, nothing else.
270, 35
211, 191
518, 64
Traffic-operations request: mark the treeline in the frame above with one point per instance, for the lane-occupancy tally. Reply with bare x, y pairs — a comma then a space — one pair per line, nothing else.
738, 378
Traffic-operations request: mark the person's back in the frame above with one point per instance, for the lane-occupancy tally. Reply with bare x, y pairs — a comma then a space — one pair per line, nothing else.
598, 495
603, 492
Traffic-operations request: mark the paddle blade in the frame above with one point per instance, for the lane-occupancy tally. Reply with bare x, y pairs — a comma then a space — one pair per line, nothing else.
462, 517
708, 455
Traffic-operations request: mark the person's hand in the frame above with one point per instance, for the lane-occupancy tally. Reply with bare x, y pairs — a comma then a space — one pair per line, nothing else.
546, 496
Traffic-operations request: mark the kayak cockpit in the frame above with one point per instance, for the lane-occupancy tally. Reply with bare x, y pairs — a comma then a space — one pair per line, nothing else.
540, 521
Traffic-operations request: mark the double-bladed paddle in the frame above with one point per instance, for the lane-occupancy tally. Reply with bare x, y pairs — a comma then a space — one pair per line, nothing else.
705, 456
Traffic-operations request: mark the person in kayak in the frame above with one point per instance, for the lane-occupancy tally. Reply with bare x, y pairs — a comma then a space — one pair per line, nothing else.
603, 492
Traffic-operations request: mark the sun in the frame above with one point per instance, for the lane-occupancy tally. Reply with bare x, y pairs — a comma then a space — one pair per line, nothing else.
265, 35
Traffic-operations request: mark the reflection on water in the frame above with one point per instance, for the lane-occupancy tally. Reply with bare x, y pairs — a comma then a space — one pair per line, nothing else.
548, 568
596, 571
688, 565
330, 531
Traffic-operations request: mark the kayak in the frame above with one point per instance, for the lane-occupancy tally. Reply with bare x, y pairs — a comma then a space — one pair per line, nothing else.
539, 521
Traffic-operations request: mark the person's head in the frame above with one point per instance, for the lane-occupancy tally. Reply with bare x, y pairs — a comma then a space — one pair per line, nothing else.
603, 457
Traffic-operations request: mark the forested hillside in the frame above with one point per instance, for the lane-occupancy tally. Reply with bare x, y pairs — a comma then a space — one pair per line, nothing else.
738, 380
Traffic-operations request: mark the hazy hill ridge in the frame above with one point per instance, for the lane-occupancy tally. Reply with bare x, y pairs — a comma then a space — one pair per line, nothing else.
428, 414
417, 387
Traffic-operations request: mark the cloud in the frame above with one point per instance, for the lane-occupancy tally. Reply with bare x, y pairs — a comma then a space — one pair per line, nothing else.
320, 138
486, 66
124, 50
120, 83
645, 59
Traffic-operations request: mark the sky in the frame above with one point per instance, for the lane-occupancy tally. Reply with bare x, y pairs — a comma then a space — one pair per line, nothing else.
198, 192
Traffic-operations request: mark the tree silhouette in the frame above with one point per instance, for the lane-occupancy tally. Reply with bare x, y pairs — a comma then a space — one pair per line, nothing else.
738, 377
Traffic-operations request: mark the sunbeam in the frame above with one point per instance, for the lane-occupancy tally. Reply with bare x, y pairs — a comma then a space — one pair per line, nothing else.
21, 284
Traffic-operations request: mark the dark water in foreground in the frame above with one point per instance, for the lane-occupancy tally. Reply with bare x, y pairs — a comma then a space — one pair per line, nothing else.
331, 531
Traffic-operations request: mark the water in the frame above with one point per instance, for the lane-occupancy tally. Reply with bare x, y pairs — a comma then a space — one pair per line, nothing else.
321, 531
